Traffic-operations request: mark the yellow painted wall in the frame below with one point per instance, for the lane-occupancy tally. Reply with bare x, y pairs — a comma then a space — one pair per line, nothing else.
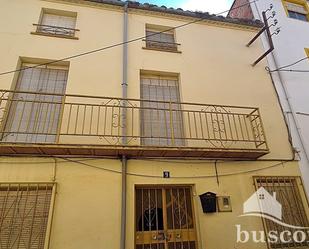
214, 67
87, 203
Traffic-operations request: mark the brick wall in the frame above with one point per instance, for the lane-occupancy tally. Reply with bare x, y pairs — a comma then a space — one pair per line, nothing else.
243, 12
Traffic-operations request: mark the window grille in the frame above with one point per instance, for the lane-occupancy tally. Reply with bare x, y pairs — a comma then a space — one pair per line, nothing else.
24, 212
293, 213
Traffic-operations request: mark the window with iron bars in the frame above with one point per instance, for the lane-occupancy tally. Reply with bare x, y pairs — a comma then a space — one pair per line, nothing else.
158, 38
288, 192
24, 214
57, 23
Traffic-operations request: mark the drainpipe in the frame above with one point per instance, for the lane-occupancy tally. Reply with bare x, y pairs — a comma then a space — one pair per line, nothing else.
124, 130
287, 97
123, 202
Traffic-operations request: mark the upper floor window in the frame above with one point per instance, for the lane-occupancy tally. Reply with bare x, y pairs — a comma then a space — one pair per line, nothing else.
297, 10
34, 110
161, 38
57, 23
161, 115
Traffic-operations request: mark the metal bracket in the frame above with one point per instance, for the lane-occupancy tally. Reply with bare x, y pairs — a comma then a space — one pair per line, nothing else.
269, 36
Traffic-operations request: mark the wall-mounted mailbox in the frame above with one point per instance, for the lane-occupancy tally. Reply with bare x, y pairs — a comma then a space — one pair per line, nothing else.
209, 202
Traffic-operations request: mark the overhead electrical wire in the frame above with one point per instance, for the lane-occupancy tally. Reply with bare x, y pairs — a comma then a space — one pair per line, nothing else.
148, 159
302, 113
293, 70
121, 43
175, 177
289, 65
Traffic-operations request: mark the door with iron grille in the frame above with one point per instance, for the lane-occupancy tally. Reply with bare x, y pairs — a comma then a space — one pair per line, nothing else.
164, 218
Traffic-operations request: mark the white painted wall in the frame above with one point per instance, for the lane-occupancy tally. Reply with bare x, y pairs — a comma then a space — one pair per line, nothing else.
293, 88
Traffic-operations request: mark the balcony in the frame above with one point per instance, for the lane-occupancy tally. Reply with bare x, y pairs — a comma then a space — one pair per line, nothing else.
162, 46
52, 124
55, 31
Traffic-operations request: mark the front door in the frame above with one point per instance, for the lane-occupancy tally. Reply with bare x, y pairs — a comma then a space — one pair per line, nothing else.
164, 218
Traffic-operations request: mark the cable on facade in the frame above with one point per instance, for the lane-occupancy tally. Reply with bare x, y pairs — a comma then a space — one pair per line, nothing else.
302, 113
165, 160
175, 177
289, 65
49, 156
121, 43
293, 71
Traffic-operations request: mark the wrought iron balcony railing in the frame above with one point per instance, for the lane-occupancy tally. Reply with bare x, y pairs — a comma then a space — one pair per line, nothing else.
37, 122
55, 30
161, 45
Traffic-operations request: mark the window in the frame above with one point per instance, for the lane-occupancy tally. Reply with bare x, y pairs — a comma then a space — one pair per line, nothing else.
24, 210
297, 10
287, 193
57, 23
35, 107
158, 38
162, 122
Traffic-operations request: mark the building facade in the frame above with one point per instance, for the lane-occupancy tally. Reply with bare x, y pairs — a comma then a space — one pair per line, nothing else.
291, 51
135, 126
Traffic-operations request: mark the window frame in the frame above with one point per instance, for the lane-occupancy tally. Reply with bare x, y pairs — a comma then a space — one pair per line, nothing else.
60, 13
282, 181
302, 3
51, 207
29, 62
179, 121
160, 29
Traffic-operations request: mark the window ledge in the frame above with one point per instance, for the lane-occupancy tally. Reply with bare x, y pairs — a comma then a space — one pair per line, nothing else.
298, 19
163, 50
55, 35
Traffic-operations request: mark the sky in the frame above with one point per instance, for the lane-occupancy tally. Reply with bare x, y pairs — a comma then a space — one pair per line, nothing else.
211, 6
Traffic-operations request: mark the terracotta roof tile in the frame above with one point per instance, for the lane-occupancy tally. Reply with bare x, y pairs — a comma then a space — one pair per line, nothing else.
179, 11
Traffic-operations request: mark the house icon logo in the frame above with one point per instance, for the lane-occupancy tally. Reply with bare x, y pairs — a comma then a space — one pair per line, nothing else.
262, 202
265, 205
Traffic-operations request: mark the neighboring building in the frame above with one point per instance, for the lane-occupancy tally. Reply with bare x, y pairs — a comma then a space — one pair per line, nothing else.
291, 45
86, 142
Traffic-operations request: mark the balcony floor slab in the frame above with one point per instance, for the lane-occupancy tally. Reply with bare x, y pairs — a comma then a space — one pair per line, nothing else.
8, 149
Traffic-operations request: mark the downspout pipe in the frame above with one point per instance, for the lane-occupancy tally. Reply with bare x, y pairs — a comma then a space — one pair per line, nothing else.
123, 202
124, 85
